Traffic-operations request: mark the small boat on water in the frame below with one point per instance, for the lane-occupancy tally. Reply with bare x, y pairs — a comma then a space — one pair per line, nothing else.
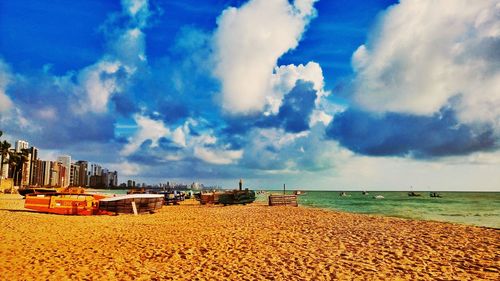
378, 197
364, 192
144, 203
64, 203
435, 195
344, 194
414, 194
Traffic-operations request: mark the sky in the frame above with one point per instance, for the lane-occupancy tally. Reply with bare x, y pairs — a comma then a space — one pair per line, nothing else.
315, 94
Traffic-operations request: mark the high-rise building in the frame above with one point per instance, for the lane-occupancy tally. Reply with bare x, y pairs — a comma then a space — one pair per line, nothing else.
54, 173
83, 176
47, 172
33, 162
65, 160
74, 178
38, 173
113, 179
21, 144
95, 169
24, 178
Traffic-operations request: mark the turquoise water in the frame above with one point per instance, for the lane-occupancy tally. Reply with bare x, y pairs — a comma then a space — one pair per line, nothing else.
474, 208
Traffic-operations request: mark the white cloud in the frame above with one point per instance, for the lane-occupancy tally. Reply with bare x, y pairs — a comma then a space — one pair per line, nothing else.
204, 146
179, 136
277, 150
319, 116
147, 129
5, 78
248, 42
112, 74
137, 10
217, 156
99, 83
125, 168
426, 52
284, 79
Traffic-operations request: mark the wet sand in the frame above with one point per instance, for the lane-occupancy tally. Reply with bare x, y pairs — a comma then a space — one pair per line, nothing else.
252, 242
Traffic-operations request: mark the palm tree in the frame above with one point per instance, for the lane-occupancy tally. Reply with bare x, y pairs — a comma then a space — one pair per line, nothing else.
17, 160
4, 151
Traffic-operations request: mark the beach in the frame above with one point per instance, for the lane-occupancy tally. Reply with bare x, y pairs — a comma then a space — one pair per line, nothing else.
252, 242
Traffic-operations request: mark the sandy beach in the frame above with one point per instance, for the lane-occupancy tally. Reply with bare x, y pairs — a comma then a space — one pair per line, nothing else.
252, 242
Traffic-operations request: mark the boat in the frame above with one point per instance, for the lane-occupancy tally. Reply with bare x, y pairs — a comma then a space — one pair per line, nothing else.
435, 194
365, 192
132, 203
209, 197
64, 203
378, 197
344, 194
413, 194
30, 190
234, 197
299, 192
172, 197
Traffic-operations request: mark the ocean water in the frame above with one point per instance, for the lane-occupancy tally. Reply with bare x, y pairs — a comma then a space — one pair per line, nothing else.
473, 208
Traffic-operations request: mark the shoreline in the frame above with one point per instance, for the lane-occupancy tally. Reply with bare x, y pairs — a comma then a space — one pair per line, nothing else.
251, 242
396, 217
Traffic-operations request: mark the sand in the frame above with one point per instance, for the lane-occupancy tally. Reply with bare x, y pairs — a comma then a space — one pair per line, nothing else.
252, 242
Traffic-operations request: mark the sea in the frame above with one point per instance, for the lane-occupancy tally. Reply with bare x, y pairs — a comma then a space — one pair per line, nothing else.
472, 208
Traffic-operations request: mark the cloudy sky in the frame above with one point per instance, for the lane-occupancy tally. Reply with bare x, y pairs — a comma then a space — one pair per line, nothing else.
316, 94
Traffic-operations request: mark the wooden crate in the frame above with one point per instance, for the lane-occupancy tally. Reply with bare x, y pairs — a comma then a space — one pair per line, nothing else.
283, 200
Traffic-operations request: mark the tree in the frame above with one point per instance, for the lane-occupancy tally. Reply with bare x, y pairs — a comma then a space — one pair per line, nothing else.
4, 151
17, 160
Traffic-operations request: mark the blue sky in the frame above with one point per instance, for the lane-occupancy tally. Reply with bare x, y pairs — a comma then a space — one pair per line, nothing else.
315, 94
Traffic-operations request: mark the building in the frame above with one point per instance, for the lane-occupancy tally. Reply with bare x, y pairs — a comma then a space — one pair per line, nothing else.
32, 168
113, 179
47, 172
21, 144
38, 173
131, 184
65, 160
24, 179
83, 173
74, 177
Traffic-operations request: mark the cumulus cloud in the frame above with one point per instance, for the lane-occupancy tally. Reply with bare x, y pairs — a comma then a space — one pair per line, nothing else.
395, 134
281, 151
59, 110
284, 79
5, 77
425, 53
126, 54
99, 82
153, 141
217, 156
148, 130
248, 43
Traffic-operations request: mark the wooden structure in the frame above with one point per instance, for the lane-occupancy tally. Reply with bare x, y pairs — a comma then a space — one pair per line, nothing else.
144, 203
210, 198
64, 203
283, 200
234, 197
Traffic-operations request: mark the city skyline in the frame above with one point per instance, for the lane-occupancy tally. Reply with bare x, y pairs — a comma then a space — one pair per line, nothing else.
322, 95
21, 167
